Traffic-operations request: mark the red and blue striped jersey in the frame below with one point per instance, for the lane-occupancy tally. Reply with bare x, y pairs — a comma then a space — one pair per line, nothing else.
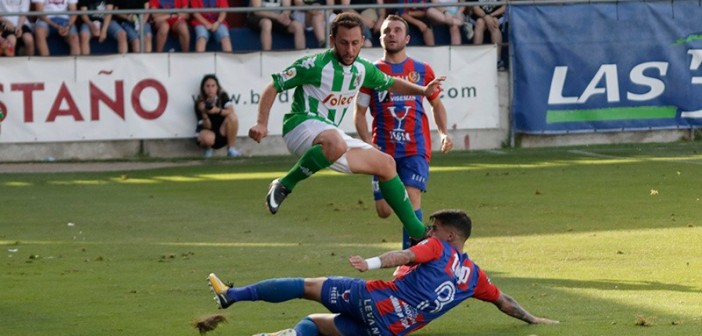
441, 278
400, 125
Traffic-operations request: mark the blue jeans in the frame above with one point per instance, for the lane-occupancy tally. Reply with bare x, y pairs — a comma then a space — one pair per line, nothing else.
219, 34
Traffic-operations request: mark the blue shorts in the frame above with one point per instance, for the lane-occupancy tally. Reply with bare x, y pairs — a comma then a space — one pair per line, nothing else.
132, 33
413, 171
219, 34
59, 21
357, 314
112, 30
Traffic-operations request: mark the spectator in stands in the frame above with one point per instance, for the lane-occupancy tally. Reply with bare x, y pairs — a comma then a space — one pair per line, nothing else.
100, 26
16, 30
268, 21
217, 124
451, 16
132, 24
173, 22
489, 17
372, 18
419, 17
206, 25
54, 22
313, 19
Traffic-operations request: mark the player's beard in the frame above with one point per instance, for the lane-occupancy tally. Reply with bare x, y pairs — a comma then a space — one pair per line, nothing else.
342, 60
399, 46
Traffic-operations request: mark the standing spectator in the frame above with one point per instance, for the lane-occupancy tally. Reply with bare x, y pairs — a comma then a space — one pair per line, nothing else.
132, 25
281, 21
16, 29
313, 19
206, 25
490, 18
441, 277
451, 16
173, 22
419, 17
217, 124
400, 126
54, 22
100, 26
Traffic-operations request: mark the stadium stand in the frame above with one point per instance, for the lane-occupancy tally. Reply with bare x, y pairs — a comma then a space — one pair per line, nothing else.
244, 39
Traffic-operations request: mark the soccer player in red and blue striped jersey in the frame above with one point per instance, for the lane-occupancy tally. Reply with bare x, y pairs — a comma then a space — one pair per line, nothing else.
400, 126
441, 277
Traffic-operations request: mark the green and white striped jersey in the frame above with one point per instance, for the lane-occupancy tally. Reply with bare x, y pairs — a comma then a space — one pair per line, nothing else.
324, 88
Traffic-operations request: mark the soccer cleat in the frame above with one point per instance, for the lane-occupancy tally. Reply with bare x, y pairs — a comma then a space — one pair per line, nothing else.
286, 332
277, 193
219, 289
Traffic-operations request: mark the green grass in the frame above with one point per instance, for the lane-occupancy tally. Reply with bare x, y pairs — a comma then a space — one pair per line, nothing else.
573, 234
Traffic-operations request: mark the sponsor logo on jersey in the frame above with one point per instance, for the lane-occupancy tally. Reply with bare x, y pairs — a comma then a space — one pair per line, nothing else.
288, 74
411, 76
308, 62
357, 81
338, 100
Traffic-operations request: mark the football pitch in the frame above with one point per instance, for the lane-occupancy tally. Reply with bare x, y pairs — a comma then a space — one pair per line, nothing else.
606, 239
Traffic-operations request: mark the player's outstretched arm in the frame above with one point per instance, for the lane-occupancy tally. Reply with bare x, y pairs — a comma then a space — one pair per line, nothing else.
260, 130
405, 87
386, 260
511, 307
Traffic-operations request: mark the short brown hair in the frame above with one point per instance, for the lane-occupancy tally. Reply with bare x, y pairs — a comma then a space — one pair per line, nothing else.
346, 19
394, 17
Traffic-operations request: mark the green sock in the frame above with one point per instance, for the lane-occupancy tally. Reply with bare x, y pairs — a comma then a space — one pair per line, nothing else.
311, 162
396, 195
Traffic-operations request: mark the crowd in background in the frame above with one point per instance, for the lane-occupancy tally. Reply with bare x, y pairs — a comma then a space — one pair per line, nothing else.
27, 35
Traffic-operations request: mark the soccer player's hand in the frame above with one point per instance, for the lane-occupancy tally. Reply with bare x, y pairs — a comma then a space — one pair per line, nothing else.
358, 263
433, 86
258, 132
446, 143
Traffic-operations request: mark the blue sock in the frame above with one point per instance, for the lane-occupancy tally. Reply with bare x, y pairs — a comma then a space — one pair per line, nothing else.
272, 290
406, 239
306, 327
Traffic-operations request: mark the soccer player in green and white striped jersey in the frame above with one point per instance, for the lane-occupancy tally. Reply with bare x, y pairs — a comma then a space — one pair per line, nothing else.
326, 85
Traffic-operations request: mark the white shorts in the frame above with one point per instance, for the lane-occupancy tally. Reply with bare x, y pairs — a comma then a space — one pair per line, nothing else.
300, 139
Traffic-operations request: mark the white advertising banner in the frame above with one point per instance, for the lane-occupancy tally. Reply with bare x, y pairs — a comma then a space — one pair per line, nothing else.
150, 96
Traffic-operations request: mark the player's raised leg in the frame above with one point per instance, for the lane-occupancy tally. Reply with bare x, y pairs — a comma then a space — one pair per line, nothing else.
374, 162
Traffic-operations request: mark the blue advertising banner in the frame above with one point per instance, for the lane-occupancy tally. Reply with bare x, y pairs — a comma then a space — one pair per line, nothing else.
607, 66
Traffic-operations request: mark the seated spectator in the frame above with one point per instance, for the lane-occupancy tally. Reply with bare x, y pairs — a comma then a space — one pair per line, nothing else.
173, 22
206, 25
451, 16
3, 46
217, 124
16, 30
489, 17
99, 25
132, 24
419, 18
268, 21
54, 22
313, 20
372, 18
